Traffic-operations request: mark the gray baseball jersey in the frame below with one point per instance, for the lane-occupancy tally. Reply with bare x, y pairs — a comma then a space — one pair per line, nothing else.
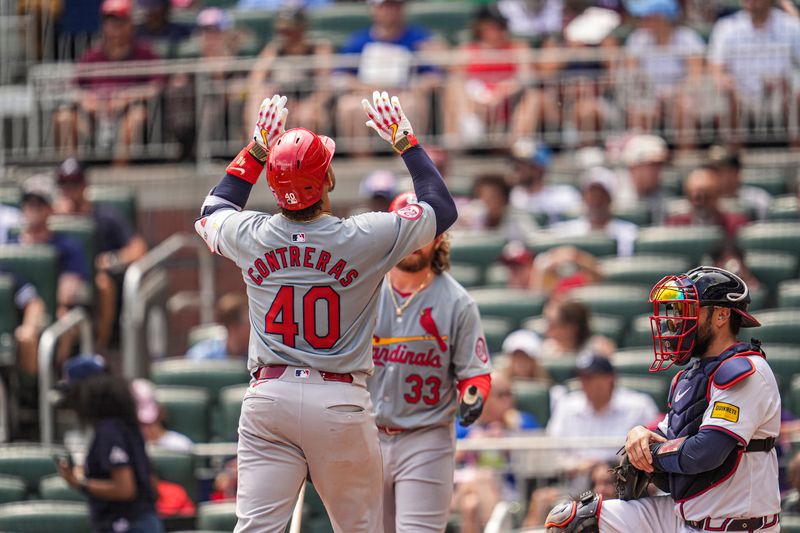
313, 286
418, 356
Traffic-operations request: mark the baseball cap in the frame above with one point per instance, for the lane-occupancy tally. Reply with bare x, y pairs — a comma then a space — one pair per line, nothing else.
144, 393
646, 8
290, 17
593, 364
116, 8
524, 341
70, 171
592, 26
529, 150
41, 187
600, 176
722, 156
83, 366
378, 184
214, 18
516, 253
642, 149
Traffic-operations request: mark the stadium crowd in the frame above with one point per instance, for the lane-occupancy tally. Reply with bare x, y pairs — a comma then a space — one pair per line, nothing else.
522, 70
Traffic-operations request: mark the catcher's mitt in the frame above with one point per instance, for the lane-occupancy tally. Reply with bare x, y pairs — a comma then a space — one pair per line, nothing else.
630, 482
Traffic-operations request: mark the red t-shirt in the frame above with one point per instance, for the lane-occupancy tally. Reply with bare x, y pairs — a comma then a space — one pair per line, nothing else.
139, 52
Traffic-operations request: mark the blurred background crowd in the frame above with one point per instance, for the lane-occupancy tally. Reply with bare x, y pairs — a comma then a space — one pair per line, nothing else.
592, 146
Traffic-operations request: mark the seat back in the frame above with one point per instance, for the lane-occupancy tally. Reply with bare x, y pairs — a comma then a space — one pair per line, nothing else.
514, 304
45, 517
8, 321
187, 410
230, 405
597, 244
36, 264
622, 300
216, 516
55, 488
177, 467
12, 489
688, 242
533, 397
29, 461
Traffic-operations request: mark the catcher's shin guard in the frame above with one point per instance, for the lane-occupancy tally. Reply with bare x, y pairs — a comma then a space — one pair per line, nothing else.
581, 516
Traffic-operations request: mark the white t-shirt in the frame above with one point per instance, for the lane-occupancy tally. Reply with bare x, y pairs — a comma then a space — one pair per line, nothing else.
664, 67
755, 197
622, 231
752, 55
554, 200
573, 416
174, 441
524, 21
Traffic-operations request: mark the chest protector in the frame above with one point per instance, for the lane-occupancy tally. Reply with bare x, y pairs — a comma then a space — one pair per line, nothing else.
689, 396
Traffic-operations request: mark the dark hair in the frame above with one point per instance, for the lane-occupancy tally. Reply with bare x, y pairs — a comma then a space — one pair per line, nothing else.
230, 308
103, 396
301, 215
735, 322
726, 248
441, 257
577, 314
498, 181
489, 13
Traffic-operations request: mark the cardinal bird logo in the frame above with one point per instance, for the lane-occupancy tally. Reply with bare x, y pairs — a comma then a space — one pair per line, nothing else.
429, 325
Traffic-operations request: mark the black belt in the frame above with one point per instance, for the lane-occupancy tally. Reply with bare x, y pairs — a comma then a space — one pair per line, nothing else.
736, 524
760, 445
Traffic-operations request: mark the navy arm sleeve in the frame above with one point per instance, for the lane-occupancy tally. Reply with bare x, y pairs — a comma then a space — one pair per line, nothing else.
429, 186
230, 193
700, 453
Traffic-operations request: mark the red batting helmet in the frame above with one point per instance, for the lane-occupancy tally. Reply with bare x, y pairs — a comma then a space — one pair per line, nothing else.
402, 200
296, 167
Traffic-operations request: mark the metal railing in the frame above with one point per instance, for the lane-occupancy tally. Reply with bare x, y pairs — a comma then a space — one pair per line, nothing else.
143, 282
48, 342
565, 97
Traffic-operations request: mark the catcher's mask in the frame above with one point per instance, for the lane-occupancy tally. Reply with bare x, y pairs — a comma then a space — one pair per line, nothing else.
676, 309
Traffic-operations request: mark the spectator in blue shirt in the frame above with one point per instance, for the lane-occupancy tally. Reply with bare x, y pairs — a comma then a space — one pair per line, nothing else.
38, 193
158, 30
30, 322
386, 51
232, 312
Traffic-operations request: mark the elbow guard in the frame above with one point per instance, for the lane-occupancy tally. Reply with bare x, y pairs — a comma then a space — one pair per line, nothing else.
582, 516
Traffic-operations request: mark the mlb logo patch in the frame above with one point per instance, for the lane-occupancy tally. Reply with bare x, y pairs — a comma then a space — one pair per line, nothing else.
298, 237
302, 373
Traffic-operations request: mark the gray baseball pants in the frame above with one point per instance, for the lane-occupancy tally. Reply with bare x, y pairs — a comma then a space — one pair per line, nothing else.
297, 425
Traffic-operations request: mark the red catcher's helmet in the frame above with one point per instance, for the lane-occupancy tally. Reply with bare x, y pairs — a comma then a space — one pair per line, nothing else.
402, 200
296, 167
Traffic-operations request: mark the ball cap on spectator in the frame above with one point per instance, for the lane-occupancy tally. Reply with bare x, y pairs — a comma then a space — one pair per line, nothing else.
516, 253
116, 8
214, 18
641, 149
70, 171
530, 151
41, 187
592, 26
144, 393
84, 366
379, 184
647, 8
523, 341
593, 364
601, 177
722, 156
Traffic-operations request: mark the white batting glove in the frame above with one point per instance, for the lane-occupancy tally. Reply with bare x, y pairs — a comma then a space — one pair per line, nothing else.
387, 118
271, 120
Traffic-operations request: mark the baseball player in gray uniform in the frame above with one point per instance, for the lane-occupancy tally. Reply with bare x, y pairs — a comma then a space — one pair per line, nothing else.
714, 453
313, 283
428, 344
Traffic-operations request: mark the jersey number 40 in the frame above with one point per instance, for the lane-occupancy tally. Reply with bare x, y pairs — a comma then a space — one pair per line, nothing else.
280, 318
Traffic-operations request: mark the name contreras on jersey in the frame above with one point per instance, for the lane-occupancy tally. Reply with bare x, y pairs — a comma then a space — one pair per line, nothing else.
401, 354
305, 257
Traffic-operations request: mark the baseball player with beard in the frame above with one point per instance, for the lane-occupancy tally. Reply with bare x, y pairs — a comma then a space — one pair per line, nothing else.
313, 284
714, 453
430, 359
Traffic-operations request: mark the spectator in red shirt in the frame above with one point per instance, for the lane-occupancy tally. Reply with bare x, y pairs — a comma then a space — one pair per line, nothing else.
702, 191
112, 110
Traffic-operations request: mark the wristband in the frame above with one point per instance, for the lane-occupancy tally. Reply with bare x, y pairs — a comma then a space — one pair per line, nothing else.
405, 142
249, 163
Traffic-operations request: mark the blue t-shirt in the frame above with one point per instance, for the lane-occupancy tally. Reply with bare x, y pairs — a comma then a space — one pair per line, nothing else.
71, 256
118, 444
410, 39
526, 421
208, 349
113, 231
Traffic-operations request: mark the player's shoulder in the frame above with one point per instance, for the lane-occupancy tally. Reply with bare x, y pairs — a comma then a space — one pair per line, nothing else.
738, 369
454, 288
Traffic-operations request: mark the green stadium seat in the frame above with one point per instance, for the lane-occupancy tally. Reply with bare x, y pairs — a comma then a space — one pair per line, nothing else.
187, 410
513, 304
758, 299
445, 18
8, 321
560, 369
626, 301
783, 361
216, 516
784, 208
777, 236
778, 326
467, 275
36, 264
497, 276
639, 332
230, 404
792, 400
55, 488
771, 268
315, 515
789, 294
639, 215
204, 332
637, 361
45, 517
12, 489
642, 269
690, 242
257, 23
80, 228
599, 245
657, 389
534, 398
496, 329
122, 199
337, 22
212, 375
177, 467
29, 461
771, 179
790, 524
479, 249
10, 196
609, 326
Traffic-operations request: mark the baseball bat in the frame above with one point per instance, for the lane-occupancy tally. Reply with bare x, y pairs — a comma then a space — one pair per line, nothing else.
297, 515
471, 395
